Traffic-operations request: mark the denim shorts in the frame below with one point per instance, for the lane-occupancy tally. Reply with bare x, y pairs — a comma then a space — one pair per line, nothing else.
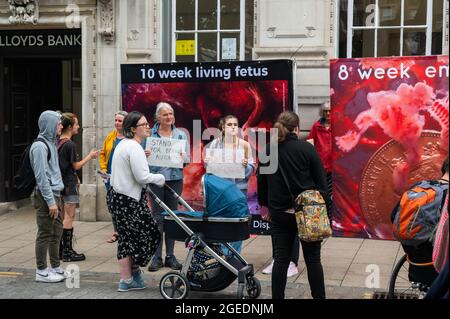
71, 199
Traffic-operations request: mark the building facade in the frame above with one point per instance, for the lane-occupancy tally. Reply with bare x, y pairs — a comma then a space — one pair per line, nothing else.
67, 54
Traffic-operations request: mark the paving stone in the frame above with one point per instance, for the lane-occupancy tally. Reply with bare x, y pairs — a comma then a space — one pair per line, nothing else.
343, 260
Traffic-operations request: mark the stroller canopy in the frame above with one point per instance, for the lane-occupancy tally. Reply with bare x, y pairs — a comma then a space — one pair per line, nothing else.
223, 198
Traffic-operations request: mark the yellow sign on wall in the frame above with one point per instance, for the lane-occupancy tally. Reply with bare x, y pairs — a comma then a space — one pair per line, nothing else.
185, 47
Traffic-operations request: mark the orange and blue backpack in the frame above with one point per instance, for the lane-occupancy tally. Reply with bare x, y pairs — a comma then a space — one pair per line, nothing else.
415, 218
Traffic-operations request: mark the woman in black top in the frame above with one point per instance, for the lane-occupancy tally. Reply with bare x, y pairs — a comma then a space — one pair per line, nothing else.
303, 170
69, 164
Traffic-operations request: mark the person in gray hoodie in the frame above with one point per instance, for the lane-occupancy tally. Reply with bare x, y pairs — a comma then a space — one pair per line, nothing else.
47, 194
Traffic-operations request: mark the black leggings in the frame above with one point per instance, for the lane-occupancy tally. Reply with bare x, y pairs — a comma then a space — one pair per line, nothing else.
284, 231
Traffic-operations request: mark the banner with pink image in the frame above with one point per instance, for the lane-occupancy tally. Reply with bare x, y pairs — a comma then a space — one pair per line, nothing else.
256, 92
390, 130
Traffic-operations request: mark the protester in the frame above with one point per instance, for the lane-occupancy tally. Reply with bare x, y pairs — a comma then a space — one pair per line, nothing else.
49, 185
440, 287
303, 170
320, 137
138, 232
111, 141
229, 140
165, 128
293, 264
440, 246
69, 164
421, 206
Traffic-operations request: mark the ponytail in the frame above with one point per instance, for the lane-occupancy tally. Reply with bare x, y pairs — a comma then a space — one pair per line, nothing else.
282, 131
286, 123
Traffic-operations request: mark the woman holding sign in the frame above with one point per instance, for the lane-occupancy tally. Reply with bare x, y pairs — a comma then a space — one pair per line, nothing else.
168, 151
230, 157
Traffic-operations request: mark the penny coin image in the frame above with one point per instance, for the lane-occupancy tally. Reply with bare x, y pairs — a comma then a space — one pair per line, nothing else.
376, 189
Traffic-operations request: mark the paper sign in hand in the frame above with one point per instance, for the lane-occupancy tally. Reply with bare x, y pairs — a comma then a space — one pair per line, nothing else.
226, 163
165, 152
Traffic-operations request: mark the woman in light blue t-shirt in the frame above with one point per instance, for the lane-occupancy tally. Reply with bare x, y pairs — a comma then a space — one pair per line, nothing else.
165, 128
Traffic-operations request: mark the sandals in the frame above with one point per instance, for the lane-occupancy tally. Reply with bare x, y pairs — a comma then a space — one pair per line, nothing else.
113, 239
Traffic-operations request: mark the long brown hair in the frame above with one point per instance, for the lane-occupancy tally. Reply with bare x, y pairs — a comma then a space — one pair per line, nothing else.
286, 123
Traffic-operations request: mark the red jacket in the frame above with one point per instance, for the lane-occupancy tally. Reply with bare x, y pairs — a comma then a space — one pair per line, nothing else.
322, 142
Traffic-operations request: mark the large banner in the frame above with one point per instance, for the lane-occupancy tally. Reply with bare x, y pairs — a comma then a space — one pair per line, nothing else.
200, 94
390, 130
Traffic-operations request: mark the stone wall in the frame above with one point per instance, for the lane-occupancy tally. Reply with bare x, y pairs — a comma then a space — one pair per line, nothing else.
115, 32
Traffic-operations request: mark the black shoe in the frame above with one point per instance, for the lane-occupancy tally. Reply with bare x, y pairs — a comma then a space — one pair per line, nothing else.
155, 264
68, 253
172, 262
72, 255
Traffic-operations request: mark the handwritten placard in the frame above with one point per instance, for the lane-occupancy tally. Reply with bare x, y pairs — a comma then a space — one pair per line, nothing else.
165, 152
225, 163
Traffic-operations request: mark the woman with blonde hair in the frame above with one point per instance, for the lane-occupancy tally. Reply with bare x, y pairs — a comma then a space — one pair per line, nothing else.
106, 154
299, 169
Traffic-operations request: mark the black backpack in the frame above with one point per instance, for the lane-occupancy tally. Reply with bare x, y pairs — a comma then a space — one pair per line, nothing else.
24, 179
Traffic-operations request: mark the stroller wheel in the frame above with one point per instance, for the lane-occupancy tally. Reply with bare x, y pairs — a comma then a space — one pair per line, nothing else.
253, 288
174, 285
240, 291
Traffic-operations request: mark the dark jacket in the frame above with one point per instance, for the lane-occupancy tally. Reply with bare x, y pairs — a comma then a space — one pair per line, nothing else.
303, 169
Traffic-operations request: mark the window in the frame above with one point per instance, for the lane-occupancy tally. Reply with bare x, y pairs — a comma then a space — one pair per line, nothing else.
376, 28
212, 30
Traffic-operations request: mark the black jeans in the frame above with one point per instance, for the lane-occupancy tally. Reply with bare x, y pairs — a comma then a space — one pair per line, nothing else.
284, 231
295, 251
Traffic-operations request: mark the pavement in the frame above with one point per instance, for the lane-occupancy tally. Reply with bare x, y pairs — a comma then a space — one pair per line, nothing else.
353, 268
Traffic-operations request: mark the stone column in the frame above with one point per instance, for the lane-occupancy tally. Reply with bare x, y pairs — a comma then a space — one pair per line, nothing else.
302, 30
88, 191
107, 89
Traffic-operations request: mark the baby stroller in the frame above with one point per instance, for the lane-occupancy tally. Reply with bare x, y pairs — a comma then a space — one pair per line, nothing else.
206, 234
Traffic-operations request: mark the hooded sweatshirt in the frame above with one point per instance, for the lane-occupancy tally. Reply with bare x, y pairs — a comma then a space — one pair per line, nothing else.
47, 173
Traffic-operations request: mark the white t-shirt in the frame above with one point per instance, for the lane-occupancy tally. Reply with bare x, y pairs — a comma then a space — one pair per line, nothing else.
129, 170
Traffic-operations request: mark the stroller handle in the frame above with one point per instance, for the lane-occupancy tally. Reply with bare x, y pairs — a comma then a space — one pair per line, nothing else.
168, 210
170, 189
178, 197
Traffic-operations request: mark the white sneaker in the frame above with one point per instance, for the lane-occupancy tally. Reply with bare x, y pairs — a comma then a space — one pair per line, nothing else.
48, 276
292, 270
60, 271
268, 269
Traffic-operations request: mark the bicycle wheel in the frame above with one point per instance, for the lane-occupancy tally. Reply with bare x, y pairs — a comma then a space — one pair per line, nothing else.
399, 286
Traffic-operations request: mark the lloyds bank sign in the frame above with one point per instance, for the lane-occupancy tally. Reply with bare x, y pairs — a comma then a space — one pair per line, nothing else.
40, 41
